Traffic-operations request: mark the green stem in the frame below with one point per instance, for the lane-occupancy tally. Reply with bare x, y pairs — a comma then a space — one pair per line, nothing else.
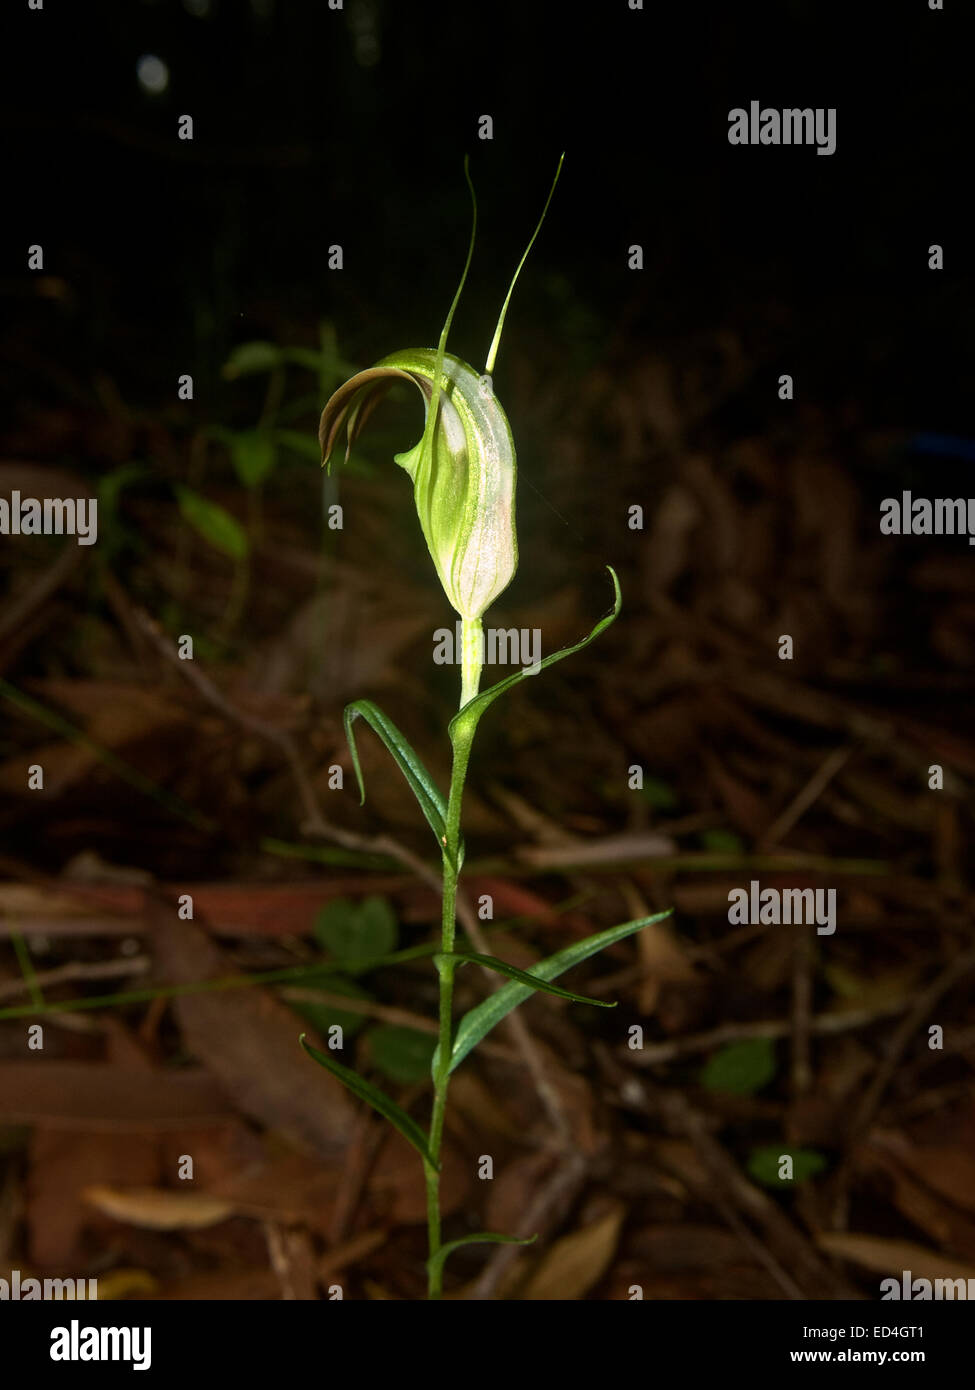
472, 658
462, 741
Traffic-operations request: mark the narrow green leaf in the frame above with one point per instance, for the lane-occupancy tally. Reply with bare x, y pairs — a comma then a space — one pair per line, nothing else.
437, 1261
248, 358
483, 1017
323, 854
422, 785
467, 718
214, 524
388, 1108
503, 968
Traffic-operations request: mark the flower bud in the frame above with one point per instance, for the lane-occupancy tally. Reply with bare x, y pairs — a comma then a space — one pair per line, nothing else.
463, 470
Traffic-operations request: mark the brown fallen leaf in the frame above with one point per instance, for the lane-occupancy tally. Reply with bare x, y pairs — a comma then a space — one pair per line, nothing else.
683, 1246
747, 810
70, 908
889, 1257
479, 1103
114, 715
291, 1188
157, 1208
93, 1096
249, 1040
514, 1188
613, 849
662, 961
947, 1168
229, 1284
396, 1188
350, 1252
928, 1210
60, 1166
576, 1262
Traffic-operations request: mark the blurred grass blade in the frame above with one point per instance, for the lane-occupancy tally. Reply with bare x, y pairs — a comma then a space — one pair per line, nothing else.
50, 719
248, 358
480, 1020
466, 720
408, 1127
253, 455
299, 442
214, 523
513, 973
436, 1262
421, 784
27, 968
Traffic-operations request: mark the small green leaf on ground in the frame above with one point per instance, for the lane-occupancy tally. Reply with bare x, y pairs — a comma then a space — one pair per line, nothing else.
741, 1068
402, 1054
659, 794
722, 842
357, 932
763, 1165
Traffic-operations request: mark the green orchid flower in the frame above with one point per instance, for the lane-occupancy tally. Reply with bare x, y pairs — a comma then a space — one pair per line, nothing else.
463, 471
463, 468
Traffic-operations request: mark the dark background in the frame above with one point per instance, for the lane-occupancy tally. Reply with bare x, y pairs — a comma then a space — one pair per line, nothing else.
313, 126
657, 387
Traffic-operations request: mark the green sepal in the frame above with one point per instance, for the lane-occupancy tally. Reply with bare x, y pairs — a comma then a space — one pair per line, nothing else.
372, 1095
479, 1021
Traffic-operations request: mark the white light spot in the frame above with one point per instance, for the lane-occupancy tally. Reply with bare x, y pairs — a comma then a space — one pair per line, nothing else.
152, 73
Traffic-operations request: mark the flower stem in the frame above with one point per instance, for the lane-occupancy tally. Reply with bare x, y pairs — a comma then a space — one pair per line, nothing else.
462, 740
472, 658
